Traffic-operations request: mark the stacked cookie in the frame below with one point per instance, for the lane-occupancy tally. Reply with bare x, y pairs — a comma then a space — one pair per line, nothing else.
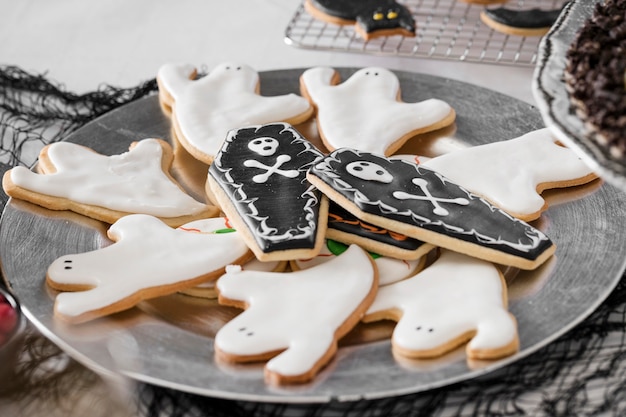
308, 241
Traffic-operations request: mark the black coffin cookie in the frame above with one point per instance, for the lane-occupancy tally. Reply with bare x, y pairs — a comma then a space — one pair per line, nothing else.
345, 227
533, 22
416, 201
259, 180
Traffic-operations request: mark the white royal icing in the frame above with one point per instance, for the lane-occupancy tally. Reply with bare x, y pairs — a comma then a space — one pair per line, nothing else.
210, 226
364, 112
174, 77
147, 253
207, 108
507, 173
298, 311
132, 182
390, 270
455, 295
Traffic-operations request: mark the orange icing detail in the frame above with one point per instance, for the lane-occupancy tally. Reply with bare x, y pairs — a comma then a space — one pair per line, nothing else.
190, 229
369, 227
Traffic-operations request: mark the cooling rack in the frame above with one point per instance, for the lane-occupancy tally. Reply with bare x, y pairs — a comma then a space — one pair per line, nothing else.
446, 29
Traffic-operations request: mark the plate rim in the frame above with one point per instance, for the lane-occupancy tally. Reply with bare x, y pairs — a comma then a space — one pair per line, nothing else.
549, 89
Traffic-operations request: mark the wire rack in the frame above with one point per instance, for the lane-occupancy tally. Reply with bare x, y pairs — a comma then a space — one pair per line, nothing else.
446, 29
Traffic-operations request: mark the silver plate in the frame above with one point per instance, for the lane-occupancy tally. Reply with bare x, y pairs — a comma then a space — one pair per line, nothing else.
169, 341
549, 90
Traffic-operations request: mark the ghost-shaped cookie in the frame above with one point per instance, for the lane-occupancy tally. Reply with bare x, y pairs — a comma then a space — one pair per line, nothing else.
205, 109
458, 299
207, 289
294, 320
512, 174
148, 259
74, 177
390, 270
366, 113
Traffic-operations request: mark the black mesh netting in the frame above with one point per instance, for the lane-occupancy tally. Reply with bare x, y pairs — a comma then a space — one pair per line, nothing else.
581, 374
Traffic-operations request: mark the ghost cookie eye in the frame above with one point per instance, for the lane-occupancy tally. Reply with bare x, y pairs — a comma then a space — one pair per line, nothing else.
427, 329
245, 330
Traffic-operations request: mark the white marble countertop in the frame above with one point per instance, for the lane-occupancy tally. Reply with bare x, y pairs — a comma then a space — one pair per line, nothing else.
82, 45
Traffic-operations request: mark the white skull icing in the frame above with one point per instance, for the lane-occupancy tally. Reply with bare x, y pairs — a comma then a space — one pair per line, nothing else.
369, 171
263, 146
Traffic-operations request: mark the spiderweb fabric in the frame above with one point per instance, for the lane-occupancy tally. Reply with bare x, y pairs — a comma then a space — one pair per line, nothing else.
581, 374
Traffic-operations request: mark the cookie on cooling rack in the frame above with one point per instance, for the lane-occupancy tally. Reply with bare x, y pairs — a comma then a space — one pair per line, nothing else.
370, 18
531, 22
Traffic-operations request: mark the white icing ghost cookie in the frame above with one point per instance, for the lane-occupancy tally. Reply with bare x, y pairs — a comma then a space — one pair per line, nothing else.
390, 270
512, 174
285, 321
365, 112
204, 110
148, 259
107, 187
207, 289
455, 300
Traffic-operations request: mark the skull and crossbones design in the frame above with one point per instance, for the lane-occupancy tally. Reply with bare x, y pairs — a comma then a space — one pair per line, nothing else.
267, 146
370, 171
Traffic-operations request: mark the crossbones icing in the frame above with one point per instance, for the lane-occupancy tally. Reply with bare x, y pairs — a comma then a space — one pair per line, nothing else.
260, 174
422, 204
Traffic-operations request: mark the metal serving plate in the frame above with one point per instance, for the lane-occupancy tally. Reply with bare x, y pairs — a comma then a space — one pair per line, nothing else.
169, 341
553, 100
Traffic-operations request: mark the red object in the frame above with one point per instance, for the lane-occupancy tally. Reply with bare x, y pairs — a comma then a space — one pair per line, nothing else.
8, 318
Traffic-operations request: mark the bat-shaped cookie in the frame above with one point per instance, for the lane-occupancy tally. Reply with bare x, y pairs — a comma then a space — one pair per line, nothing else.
372, 18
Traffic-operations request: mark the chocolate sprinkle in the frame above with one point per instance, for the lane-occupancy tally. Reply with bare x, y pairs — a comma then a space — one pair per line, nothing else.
595, 72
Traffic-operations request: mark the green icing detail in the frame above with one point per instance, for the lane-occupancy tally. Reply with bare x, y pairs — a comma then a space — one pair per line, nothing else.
337, 248
221, 231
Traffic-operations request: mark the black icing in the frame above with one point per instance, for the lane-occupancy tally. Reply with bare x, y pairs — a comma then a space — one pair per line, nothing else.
478, 222
281, 212
523, 19
370, 15
68, 264
344, 221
